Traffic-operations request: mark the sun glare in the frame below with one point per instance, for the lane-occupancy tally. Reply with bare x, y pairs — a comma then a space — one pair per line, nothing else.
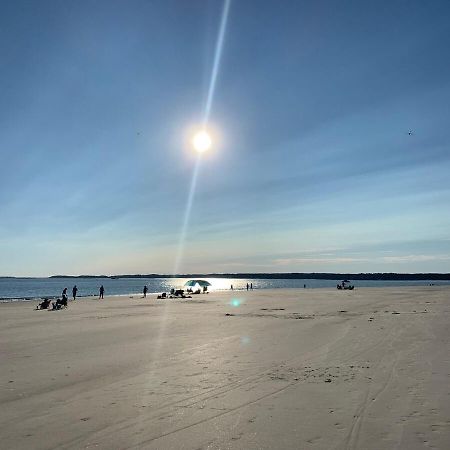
201, 141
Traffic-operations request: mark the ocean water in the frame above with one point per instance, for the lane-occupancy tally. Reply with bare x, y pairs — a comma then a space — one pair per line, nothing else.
22, 289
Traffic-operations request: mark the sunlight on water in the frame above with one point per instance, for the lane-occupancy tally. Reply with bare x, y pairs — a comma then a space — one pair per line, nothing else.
217, 284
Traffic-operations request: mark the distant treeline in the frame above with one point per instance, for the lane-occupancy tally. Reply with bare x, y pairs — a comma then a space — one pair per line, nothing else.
283, 276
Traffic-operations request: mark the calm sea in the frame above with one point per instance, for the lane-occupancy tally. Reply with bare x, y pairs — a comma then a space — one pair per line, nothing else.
20, 289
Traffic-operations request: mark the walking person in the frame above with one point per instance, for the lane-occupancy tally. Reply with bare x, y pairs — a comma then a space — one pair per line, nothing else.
101, 292
247, 286
64, 295
74, 292
145, 291
231, 287
251, 286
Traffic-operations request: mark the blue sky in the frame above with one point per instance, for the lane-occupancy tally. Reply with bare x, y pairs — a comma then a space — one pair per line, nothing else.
313, 168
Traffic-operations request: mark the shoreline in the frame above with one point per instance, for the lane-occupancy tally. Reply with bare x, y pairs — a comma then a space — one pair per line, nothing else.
4, 300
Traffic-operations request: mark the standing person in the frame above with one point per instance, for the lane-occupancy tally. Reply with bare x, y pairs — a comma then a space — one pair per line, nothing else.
231, 287
251, 286
74, 292
64, 299
247, 286
145, 291
102, 291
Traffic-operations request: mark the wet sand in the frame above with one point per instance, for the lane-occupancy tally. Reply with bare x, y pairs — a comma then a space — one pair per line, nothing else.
269, 369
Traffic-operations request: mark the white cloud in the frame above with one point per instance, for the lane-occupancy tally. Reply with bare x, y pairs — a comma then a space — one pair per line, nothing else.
349, 260
287, 261
414, 258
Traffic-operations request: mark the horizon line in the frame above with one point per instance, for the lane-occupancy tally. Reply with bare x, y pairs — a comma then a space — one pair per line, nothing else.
261, 275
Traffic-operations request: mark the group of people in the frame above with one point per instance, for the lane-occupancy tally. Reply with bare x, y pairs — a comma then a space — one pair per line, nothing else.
198, 290
63, 301
60, 302
101, 292
249, 286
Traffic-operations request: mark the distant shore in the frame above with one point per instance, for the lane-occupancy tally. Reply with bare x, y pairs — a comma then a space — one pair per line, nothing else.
386, 276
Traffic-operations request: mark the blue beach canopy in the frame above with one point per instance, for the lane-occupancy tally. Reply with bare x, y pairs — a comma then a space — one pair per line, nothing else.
202, 283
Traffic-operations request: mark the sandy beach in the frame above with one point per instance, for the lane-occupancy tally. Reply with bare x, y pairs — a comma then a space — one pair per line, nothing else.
268, 369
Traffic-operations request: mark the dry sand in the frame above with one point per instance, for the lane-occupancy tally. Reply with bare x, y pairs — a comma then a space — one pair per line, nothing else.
289, 369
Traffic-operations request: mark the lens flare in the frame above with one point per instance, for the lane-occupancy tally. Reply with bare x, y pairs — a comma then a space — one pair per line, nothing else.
216, 63
235, 302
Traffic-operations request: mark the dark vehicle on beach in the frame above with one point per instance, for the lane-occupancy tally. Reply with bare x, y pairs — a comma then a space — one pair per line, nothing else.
345, 285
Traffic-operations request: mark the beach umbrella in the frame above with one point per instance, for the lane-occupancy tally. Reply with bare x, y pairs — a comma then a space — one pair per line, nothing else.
202, 283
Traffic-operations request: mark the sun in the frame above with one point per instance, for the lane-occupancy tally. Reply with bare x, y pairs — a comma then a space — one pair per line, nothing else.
201, 141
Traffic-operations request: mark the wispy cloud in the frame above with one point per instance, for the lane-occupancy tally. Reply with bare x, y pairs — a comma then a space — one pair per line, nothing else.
398, 259
309, 261
414, 258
